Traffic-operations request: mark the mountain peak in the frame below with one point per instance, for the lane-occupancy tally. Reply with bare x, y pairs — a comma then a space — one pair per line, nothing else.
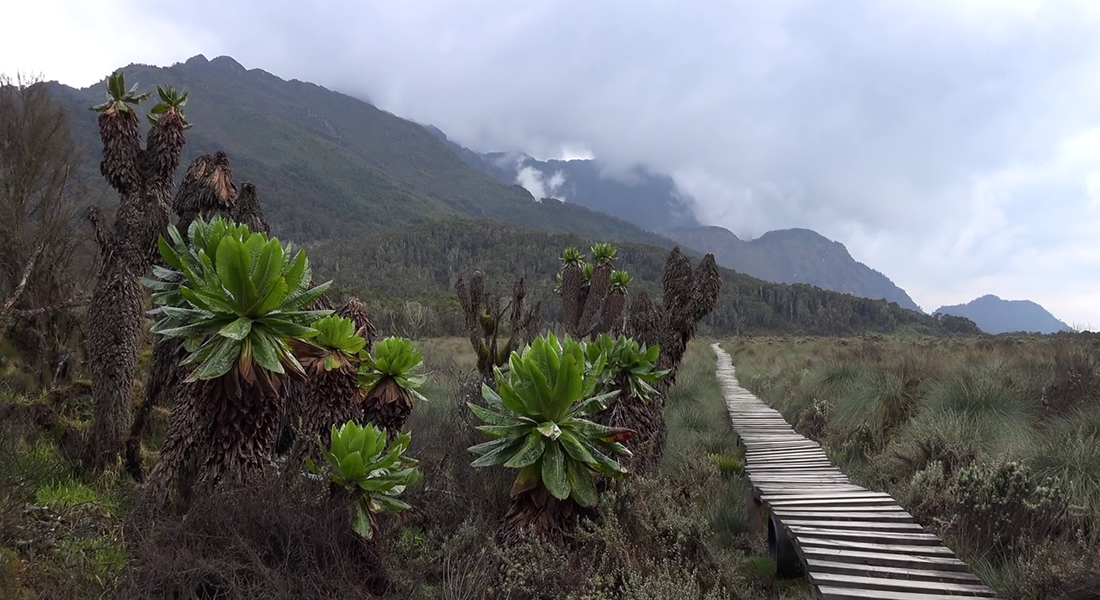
994, 315
197, 59
228, 63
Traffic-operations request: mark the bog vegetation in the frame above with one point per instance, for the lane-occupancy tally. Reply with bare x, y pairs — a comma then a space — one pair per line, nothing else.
993, 444
194, 407
222, 427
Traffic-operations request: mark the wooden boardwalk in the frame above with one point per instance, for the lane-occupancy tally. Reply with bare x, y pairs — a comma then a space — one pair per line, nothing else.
850, 542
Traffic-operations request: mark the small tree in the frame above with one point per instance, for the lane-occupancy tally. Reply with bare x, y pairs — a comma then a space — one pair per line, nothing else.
538, 420
687, 296
370, 472
593, 295
235, 298
143, 179
39, 236
390, 378
332, 395
207, 191
631, 370
485, 321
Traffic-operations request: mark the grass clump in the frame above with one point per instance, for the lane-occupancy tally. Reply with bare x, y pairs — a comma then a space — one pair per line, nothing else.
990, 442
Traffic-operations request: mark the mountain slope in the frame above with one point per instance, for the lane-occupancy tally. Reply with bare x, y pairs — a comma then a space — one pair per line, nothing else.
994, 315
423, 262
653, 201
639, 195
327, 164
794, 256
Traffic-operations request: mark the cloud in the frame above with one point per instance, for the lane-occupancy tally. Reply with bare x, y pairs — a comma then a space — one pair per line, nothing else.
540, 186
948, 144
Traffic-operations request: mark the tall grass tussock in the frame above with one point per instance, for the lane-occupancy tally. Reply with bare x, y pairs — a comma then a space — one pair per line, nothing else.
992, 443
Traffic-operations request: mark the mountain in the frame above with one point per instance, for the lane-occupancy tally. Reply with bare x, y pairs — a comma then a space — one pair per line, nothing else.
637, 194
652, 201
393, 212
994, 315
327, 164
794, 256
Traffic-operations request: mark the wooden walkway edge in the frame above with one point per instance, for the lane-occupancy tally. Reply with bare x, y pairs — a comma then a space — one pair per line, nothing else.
850, 542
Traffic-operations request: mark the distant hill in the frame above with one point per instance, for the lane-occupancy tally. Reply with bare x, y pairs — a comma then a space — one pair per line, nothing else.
648, 199
794, 256
994, 315
327, 164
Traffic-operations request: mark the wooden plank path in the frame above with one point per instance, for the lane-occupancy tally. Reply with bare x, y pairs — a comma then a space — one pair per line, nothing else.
851, 543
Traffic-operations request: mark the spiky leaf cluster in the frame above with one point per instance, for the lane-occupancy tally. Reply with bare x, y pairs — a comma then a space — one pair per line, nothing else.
393, 358
171, 101
572, 256
119, 99
337, 335
603, 253
372, 471
626, 362
238, 303
538, 420
620, 281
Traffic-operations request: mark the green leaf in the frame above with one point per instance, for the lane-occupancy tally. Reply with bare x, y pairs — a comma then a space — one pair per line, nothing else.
221, 360
582, 484
493, 418
576, 449
532, 449
499, 454
553, 472
361, 520
549, 429
237, 330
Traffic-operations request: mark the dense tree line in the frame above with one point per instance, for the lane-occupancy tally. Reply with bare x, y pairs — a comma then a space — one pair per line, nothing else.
421, 265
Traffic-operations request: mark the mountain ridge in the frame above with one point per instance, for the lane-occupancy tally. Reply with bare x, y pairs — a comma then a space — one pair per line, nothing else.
332, 164
995, 315
794, 255
335, 172
652, 201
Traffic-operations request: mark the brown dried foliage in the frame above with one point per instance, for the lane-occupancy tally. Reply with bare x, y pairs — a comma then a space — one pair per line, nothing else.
485, 321
143, 179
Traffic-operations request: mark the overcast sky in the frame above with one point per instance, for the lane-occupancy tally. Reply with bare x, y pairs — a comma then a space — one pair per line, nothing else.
954, 145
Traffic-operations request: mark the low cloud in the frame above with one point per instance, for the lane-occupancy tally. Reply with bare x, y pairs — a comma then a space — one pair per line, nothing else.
540, 186
949, 145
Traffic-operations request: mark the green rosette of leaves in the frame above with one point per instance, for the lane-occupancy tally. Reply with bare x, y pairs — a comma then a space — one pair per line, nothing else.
539, 425
626, 362
372, 472
235, 297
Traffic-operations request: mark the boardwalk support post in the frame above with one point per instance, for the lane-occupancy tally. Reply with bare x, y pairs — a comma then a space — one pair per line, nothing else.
782, 552
754, 510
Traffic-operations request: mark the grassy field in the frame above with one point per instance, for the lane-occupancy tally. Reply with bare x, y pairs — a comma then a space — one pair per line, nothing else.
992, 443
677, 533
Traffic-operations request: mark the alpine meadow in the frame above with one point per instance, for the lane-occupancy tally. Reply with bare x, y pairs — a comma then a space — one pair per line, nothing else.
261, 339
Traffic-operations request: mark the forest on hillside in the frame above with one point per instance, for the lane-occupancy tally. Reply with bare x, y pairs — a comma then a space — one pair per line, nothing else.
411, 274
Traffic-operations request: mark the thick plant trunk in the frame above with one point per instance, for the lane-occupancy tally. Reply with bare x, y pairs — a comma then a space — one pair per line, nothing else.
329, 398
226, 427
143, 179
114, 329
538, 511
571, 298
388, 406
648, 423
593, 303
